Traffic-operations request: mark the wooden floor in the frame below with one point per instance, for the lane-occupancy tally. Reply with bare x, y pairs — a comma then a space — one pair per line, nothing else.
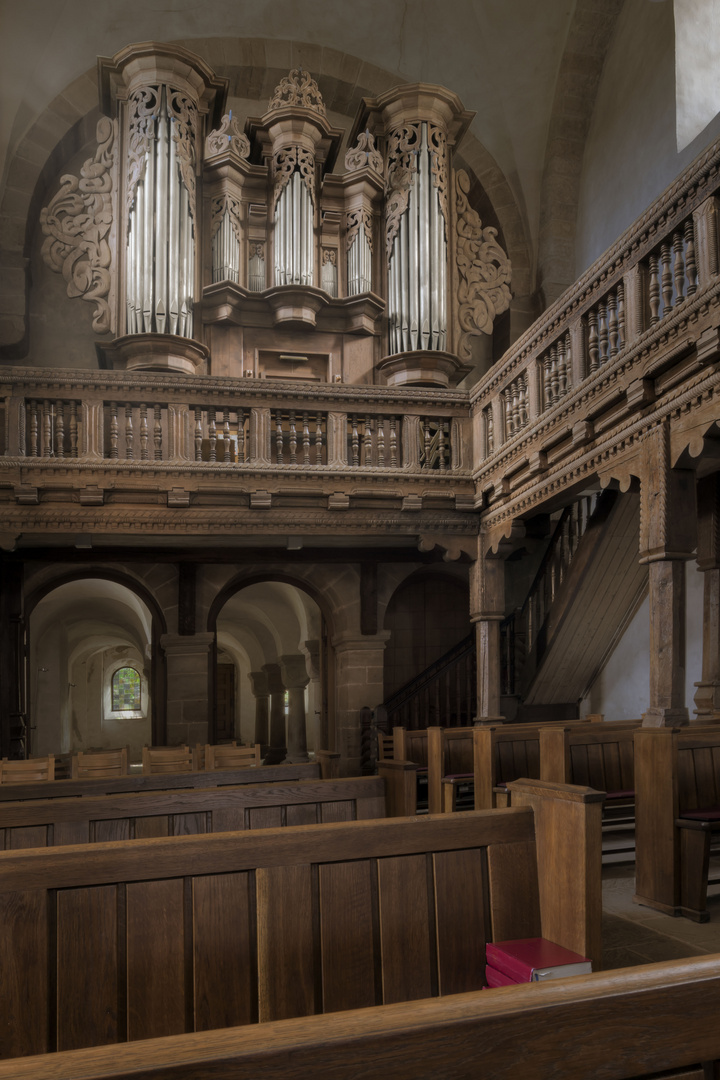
640, 935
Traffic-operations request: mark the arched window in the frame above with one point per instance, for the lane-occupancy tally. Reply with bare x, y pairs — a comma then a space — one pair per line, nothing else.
126, 690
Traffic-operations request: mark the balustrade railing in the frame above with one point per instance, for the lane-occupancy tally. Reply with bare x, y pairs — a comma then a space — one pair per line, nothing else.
144, 425
666, 260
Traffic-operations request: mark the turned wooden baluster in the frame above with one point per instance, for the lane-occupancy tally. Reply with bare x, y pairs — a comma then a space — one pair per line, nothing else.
517, 423
241, 436
293, 438
318, 439
507, 396
621, 315
380, 422
47, 428
143, 433
666, 280
554, 375
33, 432
428, 441
654, 290
367, 442
593, 349
393, 442
522, 402
612, 325
198, 435
564, 364
690, 260
60, 430
226, 435
157, 432
306, 438
114, 430
212, 433
441, 446
547, 382
489, 428
679, 266
73, 430
603, 337
129, 434
354, 440
279, 437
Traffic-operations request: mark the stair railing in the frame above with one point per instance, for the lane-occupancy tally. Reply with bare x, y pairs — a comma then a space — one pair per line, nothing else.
444, 693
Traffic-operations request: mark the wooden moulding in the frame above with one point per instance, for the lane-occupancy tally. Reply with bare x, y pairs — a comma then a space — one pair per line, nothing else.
619, 1025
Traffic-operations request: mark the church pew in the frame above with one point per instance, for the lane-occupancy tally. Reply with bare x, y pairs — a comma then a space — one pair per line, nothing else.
52, 822
598, 755
677, 771
616, 1025
132, 940
324, 766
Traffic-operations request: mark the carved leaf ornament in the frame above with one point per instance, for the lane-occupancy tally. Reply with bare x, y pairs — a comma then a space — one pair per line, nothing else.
364, 154
77, 224
297, 88
484, 270
228, 136
289, 160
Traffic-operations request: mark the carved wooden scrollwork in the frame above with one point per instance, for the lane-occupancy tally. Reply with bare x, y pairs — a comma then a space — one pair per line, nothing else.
184, 116
356, 220
228, 136
77, 223
219, 206
298, 88
403, 148
289, 160
438, 165
364, 154
142, 110
484, 271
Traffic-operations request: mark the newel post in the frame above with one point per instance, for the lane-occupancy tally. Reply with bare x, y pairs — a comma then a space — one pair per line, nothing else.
487, 610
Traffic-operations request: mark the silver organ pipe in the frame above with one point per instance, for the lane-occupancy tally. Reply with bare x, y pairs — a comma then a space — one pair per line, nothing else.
359, 264
417, 271
225, 249
294, 234
160, 243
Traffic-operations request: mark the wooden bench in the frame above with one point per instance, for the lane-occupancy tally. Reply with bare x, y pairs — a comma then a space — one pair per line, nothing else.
600, 756
122, 941
677, 779
618, 1025
325, 767
91, 764
31, 771
54, 822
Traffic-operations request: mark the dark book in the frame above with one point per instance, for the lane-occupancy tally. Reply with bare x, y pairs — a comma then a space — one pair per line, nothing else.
493, 977
535, 959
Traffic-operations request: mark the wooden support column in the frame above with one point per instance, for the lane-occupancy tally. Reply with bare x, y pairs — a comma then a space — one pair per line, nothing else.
668, 532
707, 696
487, 610
278, 746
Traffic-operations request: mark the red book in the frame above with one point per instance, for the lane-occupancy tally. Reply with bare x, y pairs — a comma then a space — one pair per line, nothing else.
535, 959
493, 977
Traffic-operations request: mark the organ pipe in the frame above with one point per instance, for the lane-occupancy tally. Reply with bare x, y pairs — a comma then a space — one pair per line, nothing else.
160, 241
417, 273
294, 247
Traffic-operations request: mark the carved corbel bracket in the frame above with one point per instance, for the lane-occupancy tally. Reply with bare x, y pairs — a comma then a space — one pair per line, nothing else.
453, 548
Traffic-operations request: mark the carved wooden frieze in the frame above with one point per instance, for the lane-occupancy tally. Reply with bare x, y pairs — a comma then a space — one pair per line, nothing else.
229, 136
142, 110
364, 155
78, 222
297, 88
483, 268
184, 116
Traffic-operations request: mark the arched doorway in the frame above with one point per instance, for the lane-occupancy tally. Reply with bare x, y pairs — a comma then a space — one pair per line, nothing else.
91, 678
271, 670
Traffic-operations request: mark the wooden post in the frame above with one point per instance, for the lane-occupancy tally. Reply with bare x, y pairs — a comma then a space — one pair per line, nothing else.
568, 822
487, 610
668, 536
657, 853
400, 787
707, 696
436, 771
484, 767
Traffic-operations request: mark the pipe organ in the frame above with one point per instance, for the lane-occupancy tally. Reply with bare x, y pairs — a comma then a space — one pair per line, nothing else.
229, 238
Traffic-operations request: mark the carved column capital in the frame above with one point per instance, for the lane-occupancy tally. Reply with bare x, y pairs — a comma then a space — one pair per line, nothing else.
668, 521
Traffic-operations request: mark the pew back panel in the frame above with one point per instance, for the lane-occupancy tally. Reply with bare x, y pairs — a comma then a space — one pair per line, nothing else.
126, 941
54, 822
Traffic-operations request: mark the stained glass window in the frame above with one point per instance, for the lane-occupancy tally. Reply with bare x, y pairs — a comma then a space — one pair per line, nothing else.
126, 690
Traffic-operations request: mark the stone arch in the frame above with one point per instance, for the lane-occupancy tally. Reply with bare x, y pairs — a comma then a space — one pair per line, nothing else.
68, 123
576, 89
158, 671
